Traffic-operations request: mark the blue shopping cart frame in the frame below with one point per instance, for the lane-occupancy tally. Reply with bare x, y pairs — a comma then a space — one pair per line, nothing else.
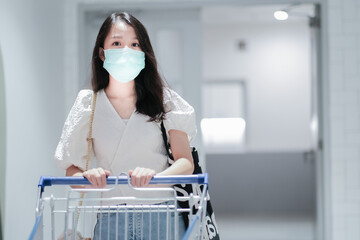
46, 181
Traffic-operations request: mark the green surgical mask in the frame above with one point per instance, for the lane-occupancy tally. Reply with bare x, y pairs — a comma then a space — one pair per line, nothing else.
124, 64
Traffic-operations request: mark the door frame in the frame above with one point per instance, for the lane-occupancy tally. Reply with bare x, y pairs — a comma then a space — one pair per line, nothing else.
2, 145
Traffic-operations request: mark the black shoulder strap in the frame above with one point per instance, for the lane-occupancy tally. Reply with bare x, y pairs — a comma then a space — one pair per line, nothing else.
167, 145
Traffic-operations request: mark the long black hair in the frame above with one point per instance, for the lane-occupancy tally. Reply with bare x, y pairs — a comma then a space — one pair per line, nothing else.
149, 86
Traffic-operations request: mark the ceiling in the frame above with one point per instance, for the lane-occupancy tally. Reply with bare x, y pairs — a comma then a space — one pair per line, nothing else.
230, 14
253, 14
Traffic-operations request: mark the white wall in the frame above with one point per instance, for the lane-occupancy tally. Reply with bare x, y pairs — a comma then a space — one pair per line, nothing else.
32, 39
275, 67
343, 65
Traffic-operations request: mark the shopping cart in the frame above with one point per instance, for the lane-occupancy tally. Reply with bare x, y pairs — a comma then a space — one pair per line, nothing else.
71, 216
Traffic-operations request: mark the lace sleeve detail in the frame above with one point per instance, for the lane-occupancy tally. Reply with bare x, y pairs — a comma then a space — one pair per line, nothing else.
180, 114
72, 147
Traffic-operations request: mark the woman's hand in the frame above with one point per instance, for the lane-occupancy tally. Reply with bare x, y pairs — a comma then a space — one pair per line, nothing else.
140, 177
97, 177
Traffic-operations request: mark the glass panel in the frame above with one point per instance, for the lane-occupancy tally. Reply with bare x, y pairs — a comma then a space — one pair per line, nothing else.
224, 126
223, 100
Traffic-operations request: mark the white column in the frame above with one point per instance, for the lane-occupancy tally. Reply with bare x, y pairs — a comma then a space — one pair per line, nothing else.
32, 45
344, 117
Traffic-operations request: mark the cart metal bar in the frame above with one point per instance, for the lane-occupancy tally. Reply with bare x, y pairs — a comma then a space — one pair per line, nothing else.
191, 227
36, 233
176, 179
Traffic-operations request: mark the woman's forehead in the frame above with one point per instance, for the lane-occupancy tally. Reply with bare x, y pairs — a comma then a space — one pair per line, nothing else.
120, 28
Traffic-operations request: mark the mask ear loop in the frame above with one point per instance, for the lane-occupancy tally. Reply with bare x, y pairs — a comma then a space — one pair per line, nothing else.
127, 177
129, 181
159, 189
116, 184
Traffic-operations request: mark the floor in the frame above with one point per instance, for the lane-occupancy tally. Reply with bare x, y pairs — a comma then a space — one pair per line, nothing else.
266, 227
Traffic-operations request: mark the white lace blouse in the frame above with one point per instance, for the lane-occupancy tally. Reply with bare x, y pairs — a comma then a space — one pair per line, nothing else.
119, 146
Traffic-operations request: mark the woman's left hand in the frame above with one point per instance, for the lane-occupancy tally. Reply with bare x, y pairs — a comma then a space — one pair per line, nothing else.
140, 177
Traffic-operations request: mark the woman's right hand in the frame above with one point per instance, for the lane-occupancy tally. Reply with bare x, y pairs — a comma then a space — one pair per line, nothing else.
97, 177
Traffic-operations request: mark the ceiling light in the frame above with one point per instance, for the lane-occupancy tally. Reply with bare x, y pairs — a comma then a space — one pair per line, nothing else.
281, 15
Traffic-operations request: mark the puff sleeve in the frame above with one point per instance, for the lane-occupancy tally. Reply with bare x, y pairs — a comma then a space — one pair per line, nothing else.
180, 115
72, 147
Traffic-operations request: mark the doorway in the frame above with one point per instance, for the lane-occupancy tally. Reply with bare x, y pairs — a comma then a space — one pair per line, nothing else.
273, 172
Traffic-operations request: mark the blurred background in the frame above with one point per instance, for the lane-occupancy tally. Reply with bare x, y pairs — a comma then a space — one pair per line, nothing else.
276, 98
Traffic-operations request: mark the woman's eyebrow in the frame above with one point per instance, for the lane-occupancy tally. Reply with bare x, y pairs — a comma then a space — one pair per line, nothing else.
120, 36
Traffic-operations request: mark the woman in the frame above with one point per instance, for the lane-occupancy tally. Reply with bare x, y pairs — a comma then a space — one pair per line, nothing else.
132, 101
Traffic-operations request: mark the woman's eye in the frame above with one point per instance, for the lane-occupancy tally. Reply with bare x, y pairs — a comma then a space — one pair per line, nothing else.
135, 45
116, 44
